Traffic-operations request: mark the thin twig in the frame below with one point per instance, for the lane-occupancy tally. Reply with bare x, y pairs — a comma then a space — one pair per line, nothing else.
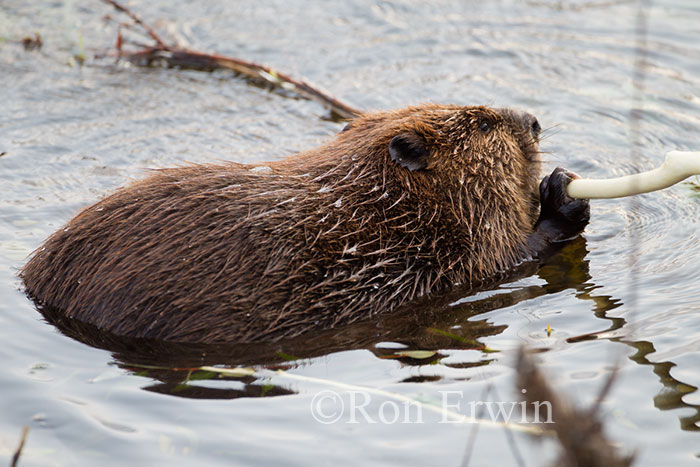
18, 452
138, 21
471, 440
511, 440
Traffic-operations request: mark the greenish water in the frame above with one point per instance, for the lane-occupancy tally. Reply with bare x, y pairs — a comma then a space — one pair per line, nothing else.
72, 134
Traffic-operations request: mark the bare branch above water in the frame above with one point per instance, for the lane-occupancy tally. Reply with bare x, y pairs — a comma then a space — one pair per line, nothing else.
173, 56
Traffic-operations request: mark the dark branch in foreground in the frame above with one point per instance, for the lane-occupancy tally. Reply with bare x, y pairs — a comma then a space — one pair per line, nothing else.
18, 452
174, 56
580, 432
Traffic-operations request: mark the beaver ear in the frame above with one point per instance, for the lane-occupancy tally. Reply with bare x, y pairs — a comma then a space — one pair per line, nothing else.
409, 150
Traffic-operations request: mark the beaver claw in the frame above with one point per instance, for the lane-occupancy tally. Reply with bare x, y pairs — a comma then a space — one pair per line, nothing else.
561, 217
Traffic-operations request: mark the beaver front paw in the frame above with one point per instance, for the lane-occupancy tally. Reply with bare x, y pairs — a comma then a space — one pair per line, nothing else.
561, 217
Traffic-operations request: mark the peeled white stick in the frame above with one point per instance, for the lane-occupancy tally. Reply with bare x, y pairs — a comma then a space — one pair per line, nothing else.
677, 166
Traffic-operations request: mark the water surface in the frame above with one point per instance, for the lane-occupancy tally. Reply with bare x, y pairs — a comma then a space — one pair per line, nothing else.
71, 134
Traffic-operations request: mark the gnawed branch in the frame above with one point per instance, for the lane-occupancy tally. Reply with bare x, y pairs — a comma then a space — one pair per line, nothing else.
174, 56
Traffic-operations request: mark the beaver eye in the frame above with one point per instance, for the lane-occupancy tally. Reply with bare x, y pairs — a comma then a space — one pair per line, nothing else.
485, 127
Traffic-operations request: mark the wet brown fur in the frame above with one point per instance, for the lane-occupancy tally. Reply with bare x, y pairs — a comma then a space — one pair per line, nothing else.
233, 252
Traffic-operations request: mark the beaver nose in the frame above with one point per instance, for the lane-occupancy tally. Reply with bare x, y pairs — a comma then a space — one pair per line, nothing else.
530, 123
523, 120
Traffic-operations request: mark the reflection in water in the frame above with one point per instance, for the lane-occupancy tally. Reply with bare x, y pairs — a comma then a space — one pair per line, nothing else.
568, 269
189, 384
435, 324
671, 396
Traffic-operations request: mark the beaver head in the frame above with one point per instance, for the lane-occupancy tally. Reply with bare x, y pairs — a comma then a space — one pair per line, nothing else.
464, 146
464, 179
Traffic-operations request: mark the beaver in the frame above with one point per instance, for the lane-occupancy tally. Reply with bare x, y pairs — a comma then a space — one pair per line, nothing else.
397, 205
